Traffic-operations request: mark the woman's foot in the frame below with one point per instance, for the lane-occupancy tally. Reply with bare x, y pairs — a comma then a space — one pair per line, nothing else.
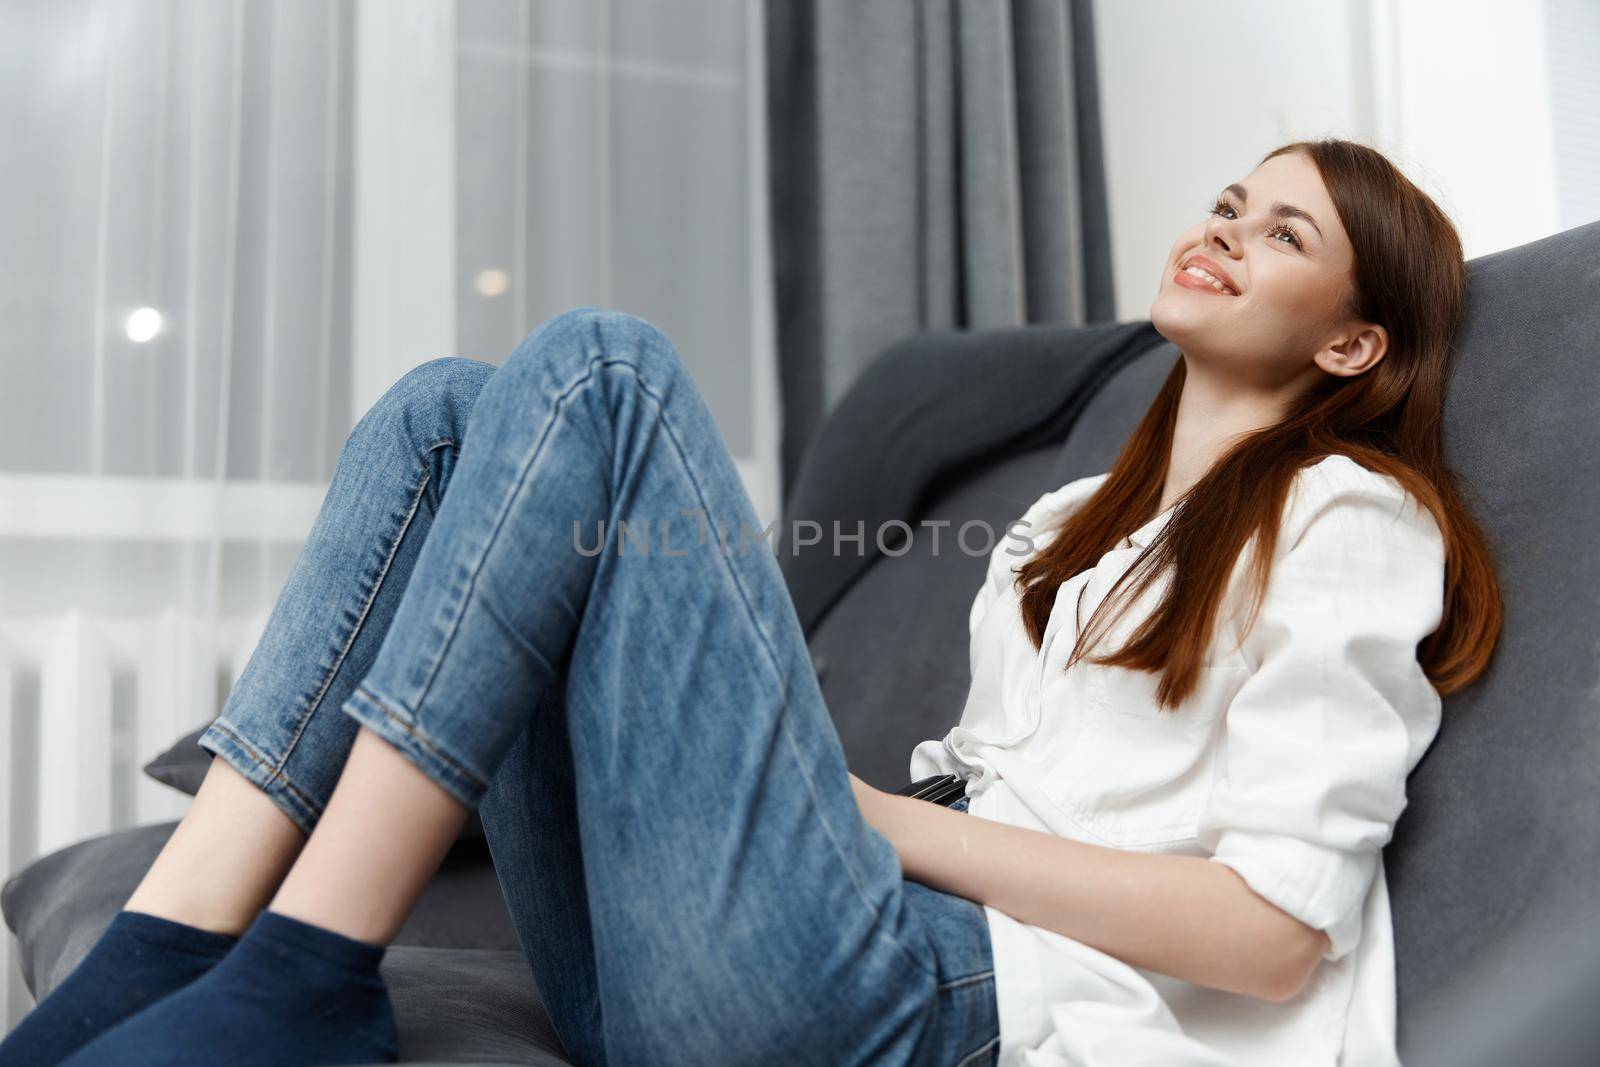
139, 960
289, 993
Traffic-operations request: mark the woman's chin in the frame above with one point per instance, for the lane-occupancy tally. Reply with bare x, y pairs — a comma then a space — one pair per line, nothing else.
1180, 320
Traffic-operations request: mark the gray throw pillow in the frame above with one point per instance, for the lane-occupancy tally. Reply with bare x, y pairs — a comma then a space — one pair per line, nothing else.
184, 765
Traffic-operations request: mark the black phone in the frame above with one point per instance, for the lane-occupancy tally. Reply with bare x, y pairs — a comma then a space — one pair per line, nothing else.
943, 789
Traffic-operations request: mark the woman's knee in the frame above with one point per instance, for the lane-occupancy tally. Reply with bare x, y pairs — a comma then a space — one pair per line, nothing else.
454, 381
434, 399
574, 339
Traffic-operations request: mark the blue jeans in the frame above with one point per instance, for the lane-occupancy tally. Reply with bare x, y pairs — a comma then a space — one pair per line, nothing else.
640, 728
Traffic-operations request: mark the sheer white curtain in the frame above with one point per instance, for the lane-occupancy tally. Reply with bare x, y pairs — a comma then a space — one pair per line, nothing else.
226, 226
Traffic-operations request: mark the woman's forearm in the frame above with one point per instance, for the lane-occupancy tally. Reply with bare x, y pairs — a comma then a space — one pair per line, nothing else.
1182, 916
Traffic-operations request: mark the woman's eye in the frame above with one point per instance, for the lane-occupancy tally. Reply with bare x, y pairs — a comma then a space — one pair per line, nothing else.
1279, 227
1294, 238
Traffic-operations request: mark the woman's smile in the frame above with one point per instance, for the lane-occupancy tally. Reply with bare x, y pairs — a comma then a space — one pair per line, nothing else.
1191, 281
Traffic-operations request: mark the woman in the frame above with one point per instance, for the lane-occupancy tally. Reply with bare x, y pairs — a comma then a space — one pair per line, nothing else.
1308, 587
693, 873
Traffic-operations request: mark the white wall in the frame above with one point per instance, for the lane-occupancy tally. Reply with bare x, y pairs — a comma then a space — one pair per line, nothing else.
1456, 92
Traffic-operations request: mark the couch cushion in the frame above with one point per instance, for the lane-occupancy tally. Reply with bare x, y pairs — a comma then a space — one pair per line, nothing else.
891, 654
928, 407
1501, 841
477, 1006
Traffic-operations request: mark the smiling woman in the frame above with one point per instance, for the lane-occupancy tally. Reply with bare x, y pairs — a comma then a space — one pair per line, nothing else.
1285, 584
1335, 340
1275, 241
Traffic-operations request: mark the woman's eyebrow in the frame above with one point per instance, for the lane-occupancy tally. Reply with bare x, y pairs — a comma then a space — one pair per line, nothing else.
1280, 208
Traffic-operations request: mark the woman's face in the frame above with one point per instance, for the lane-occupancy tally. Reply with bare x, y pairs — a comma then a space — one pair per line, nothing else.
1288, 275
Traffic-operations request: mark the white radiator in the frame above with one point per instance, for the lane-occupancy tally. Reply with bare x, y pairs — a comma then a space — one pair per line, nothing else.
85, 701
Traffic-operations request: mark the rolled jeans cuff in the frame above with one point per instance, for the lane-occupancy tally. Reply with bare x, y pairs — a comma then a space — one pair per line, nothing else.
390, 721
228, 743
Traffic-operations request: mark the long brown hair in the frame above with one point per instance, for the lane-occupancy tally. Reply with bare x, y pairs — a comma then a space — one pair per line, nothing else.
1409, 276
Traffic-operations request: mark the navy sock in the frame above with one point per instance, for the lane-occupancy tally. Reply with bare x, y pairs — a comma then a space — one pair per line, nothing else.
137, 961
289, 993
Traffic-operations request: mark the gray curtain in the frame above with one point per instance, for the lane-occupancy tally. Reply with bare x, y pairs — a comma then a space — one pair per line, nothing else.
934, 164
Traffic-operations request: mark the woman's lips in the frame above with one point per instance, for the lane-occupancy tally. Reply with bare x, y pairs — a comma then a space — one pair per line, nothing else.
1189, 281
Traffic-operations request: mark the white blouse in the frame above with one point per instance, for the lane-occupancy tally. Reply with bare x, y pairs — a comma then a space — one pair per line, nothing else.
1288, 763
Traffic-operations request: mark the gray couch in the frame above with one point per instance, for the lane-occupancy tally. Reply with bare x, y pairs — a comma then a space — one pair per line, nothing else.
1494, 870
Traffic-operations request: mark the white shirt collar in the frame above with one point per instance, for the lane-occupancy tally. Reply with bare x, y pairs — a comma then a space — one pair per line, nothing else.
1142, 537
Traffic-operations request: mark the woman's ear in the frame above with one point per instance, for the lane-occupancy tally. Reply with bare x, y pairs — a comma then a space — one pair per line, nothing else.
1356, 354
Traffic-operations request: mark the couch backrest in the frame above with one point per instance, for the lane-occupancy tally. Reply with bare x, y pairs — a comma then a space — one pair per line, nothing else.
1500, 845
1500, 842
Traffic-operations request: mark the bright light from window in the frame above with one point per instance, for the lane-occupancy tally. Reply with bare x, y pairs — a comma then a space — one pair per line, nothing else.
143, 325
492, 282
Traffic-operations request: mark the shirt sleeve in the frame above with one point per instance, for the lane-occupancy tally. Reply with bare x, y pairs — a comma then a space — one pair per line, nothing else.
1320, 739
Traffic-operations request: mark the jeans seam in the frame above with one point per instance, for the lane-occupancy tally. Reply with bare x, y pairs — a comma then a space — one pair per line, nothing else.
276, 773
414, 732
956, 983
372, 597
981, 1050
